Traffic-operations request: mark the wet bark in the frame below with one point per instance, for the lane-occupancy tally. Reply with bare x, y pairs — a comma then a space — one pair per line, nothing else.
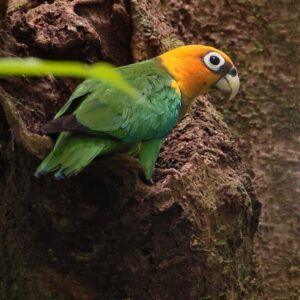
104, 234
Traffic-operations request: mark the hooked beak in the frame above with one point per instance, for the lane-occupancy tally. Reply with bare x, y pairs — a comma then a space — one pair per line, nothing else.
229, 83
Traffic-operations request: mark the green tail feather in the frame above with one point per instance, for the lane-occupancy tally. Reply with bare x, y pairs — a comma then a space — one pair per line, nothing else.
72, 153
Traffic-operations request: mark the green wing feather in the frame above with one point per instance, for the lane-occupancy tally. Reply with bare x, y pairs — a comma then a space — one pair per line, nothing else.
109, 111
86, 87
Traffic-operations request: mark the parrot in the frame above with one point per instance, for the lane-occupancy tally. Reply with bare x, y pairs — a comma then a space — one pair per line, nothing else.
99, 119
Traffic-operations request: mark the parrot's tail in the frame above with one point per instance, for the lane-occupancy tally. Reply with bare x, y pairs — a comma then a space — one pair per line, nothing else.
72, 153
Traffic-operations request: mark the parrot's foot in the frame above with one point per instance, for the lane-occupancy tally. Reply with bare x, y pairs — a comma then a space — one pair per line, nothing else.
149, 181
164, 172
145, 179
160, 174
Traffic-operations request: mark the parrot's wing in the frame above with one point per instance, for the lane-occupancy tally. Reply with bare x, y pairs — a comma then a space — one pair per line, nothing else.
82, 90
108, 111
150, 116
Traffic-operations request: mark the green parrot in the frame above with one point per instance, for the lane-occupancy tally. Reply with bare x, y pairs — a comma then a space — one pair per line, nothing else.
99, 119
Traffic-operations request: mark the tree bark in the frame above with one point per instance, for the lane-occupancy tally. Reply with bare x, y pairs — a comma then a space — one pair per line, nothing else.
104, 234
263, 37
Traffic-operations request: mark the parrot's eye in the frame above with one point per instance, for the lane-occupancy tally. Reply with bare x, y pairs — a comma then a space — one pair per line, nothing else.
214, 61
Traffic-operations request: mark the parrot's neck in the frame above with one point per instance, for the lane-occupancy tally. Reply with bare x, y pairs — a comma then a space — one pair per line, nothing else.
185, 100
186, 103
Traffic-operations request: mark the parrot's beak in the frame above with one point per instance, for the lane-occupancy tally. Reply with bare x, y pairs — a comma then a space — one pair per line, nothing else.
229, 83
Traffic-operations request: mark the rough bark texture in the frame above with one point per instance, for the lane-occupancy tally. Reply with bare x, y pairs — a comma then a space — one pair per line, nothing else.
104, 234
263, 37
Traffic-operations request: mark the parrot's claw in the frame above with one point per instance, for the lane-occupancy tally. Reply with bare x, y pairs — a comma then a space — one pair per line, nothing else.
149, 181
164, 172
145, 180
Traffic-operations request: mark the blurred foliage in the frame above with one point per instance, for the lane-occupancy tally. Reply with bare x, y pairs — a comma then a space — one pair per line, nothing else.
36, 67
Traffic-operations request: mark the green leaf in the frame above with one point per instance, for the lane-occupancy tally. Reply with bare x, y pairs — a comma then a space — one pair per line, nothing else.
37, 67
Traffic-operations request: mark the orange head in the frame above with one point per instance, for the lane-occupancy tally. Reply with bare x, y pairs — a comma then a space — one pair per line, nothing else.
198, 68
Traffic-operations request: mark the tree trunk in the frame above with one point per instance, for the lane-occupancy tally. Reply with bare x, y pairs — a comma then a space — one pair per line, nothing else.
263, 37
104, 234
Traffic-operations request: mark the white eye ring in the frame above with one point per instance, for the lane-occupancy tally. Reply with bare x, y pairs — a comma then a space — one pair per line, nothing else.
214, 61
